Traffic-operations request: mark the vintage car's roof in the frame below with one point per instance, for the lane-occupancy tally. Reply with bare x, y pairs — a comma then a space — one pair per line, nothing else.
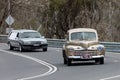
81, 30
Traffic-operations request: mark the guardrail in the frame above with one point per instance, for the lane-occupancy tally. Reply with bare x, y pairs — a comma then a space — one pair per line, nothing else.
110, 46
58, 43
3, 38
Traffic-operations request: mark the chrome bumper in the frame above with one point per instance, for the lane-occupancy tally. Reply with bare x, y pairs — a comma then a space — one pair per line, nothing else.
80, 57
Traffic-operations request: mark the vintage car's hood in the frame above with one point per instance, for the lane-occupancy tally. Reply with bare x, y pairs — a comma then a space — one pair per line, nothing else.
84, 44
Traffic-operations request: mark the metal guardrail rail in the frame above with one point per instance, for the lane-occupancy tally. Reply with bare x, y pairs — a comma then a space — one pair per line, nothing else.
58, 43
110, 46
3, 38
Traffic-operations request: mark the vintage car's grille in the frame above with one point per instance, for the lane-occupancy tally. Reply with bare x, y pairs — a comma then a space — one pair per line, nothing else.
79, 52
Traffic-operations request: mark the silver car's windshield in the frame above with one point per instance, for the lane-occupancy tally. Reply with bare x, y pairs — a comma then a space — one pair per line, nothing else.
83, 36
30, 35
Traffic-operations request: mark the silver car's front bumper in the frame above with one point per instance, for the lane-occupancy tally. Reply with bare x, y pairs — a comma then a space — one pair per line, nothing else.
35, 46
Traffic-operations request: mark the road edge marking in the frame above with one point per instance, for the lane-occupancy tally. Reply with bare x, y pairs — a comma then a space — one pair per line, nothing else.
110, 77
51, 67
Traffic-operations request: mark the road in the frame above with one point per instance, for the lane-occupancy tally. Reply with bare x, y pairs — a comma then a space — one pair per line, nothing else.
38, 65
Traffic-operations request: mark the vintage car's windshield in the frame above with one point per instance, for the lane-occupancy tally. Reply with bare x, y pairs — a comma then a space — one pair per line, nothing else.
30, 35
83, 36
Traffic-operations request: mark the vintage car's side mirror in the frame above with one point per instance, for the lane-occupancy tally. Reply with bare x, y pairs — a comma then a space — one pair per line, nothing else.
66, 37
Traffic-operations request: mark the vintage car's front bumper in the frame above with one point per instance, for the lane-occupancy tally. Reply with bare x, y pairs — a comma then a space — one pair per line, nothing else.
87, 58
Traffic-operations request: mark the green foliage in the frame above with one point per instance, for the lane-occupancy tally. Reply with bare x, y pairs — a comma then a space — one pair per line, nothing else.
56, 4
58, 16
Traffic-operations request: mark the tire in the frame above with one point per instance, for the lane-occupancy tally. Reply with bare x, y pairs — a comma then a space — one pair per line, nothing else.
44, 49
21, 48
65, 61
69, 62
101, 60
11, 47
64, 57
97, 61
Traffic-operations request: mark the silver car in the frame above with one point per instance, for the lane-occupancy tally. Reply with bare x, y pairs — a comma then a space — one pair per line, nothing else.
26, 39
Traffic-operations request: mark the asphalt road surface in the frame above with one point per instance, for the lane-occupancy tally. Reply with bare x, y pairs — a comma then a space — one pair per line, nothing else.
38, 65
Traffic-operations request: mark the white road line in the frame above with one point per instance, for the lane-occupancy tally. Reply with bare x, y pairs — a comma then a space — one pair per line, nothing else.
52, 68
113, 77
58, 50
116, 61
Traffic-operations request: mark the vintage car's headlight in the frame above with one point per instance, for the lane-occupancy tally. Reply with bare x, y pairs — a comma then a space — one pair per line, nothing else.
70, 49
96, 47
92, 48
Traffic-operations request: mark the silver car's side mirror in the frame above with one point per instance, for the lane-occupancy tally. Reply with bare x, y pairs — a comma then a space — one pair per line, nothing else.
16, 38
43, 37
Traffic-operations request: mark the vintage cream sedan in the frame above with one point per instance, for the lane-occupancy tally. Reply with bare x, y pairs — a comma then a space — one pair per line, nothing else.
82, 45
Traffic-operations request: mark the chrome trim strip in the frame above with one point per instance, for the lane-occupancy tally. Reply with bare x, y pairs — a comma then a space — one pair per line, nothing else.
92, 57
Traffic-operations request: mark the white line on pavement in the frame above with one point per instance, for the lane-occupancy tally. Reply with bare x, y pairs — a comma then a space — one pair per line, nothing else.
52, 68
113, 77
116, 61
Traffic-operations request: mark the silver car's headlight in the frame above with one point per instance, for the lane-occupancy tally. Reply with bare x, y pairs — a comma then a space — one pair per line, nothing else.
44, 42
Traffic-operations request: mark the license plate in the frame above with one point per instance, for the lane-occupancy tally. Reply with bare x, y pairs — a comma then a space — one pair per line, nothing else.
36, 45
86, 56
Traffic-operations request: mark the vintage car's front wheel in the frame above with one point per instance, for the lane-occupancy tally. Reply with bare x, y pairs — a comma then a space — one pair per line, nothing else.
65, 61
69, 62
64, 57
100, 61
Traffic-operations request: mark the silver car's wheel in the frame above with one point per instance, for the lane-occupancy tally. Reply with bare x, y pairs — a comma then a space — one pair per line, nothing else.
21, 48
10, 47
44, 49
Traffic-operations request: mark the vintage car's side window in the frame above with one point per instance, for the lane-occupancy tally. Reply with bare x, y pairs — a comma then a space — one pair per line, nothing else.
89, 36
83, 36
13, 36
77, 36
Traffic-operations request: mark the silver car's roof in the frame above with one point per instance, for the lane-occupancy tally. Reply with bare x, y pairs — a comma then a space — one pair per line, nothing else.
23, 30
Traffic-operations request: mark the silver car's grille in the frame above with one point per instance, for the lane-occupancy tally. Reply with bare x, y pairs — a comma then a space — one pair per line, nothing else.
79, 52
36, 42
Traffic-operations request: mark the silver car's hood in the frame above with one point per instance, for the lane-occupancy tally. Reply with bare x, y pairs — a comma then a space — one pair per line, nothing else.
33, 39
